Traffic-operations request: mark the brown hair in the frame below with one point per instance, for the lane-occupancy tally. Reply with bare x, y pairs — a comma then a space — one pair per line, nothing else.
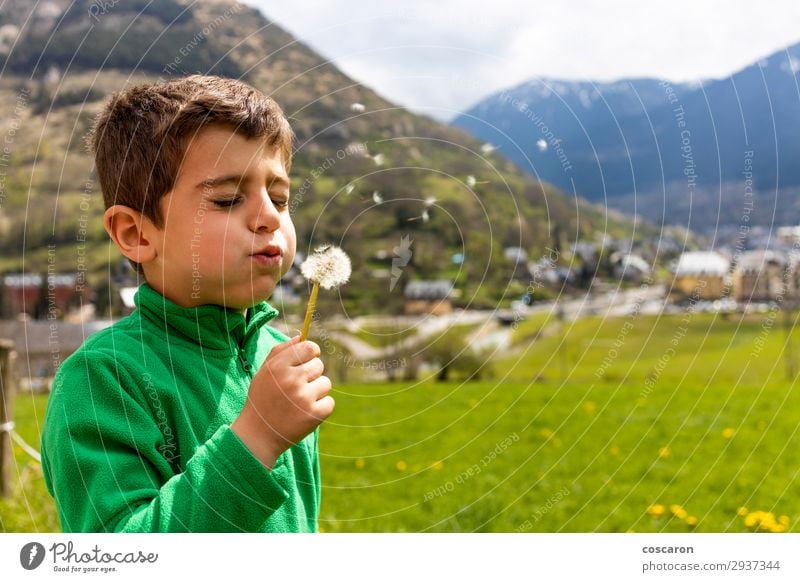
140, 137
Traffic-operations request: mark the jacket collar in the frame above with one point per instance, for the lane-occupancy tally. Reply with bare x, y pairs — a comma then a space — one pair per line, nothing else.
211, 326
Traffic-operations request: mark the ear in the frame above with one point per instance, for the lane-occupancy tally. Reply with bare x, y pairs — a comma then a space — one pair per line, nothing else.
130, 231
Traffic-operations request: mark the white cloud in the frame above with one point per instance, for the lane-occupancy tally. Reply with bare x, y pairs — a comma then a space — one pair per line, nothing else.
440, 58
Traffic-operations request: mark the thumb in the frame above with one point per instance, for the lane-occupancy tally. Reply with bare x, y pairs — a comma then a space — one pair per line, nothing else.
282, 347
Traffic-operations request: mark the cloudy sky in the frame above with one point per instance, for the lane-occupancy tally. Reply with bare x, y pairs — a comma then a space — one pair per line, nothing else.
441, 57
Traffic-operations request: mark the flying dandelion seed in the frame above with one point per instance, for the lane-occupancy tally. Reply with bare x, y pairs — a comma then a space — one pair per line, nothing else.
379, 159
542, 145
377, 198
488, 148
349, 189
430, 201
357, 108
472, 182
326, 267
424, 217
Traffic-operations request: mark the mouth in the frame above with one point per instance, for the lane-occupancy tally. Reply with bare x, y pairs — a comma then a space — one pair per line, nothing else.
272, 254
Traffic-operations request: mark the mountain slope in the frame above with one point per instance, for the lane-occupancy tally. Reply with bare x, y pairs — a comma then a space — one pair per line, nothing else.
674, 150
366, 172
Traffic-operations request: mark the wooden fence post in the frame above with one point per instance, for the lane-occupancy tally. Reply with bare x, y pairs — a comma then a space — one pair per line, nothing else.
7, 393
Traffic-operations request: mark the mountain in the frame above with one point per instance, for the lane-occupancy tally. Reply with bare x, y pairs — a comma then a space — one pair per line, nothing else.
366, 172
694, 154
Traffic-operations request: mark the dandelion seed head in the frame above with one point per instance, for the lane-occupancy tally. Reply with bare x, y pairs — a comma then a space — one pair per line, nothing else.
357, 108
327, 265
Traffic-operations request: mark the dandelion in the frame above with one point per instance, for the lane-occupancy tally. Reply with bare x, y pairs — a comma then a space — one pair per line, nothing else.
664, 452
437, 465
328, 267
728, 433
656, 510
401, 465
691, 521
349, 189
542, 145
589, 407
765, 521
360, 463
488, 148
430, 201
357, 108
614, 451
377, 198
379, 159
678, 511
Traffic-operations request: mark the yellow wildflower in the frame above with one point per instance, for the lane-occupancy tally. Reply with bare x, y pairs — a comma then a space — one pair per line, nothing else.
663, 452
678, 511
742, 511
401, 465
437, 465
728, 433
656, 510
691, 521
589, 407
360, 463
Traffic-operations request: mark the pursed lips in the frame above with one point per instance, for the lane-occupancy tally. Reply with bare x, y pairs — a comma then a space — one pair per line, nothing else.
270, 255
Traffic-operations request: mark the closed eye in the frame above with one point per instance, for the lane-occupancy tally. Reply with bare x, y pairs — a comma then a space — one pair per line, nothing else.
227, 202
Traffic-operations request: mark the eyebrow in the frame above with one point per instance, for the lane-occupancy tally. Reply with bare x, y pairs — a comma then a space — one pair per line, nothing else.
236, 179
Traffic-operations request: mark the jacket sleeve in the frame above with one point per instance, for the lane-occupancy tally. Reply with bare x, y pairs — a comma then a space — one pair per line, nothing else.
103, 461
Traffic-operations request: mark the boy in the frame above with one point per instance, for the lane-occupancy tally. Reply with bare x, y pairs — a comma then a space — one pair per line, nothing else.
191, 414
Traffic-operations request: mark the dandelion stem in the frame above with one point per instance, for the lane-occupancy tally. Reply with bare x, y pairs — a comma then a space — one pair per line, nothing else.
312, 303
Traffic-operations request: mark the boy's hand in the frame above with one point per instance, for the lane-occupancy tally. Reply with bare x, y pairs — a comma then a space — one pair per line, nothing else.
287, 400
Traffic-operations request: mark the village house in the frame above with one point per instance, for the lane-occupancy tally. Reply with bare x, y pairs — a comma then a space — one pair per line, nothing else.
33, 295
701, 275
759, 276
428, 297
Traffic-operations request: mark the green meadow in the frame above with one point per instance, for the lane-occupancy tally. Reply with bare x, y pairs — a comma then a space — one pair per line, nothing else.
649, 424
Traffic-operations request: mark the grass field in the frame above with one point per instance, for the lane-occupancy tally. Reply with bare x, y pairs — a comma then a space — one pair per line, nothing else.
679, 423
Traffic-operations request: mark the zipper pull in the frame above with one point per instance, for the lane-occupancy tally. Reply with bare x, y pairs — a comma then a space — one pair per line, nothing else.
245, 363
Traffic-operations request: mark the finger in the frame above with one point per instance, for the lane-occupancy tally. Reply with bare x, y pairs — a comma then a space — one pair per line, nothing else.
304, 352
319, 388
313, 369
282, 347
295, 352
323, 408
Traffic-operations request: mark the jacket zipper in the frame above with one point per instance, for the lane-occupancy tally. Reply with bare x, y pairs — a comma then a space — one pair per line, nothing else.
246, 365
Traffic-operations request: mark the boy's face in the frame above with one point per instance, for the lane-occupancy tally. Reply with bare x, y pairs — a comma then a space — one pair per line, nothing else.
227, 237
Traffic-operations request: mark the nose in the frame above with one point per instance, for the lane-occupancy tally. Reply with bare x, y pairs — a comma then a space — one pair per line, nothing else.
264, 214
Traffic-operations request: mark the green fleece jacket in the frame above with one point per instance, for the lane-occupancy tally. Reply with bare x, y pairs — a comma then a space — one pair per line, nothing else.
137, 431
